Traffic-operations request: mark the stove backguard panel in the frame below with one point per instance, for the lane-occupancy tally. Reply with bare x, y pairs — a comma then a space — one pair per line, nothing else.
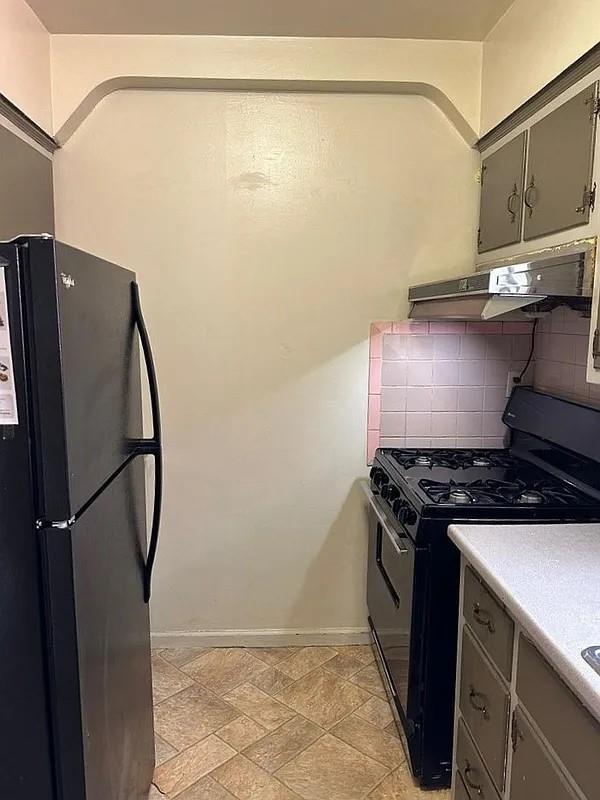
443, 384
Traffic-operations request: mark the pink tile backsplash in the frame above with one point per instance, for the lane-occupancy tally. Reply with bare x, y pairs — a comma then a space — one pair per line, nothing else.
441, 384
484, 327
470, 398
447, 327
419, 373
446, 347
443, 423
561, 348
445, 398
419, 398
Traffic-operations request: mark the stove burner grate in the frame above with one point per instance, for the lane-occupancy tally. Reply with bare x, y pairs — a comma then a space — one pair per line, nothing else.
453, 458
490, 492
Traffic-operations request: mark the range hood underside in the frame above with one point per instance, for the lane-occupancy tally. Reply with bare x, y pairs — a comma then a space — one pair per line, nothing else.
474, 308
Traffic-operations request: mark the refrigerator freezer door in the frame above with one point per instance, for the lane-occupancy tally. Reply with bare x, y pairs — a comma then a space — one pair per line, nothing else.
85, 372
25, 755
101, 689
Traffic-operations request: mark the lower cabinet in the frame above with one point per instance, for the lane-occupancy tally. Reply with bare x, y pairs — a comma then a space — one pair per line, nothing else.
470, 767
534, 774
521, 734
484, 707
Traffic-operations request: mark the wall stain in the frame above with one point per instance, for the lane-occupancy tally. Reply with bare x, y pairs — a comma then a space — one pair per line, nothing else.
252, 181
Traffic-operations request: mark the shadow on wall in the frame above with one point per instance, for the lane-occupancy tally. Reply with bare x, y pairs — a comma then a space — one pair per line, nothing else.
336, 548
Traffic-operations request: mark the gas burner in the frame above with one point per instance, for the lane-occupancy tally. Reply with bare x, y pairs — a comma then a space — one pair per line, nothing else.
423, 458
481, 461
530, 497
422, 461
460, 497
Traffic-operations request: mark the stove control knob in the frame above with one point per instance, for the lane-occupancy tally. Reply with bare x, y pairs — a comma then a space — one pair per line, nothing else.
410, 516
399, 507
378, 476
390, 493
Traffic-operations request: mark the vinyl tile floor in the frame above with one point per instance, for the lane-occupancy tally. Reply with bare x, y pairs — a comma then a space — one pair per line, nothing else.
276, 723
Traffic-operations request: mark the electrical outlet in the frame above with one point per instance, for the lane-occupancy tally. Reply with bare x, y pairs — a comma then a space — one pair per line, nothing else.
512, 380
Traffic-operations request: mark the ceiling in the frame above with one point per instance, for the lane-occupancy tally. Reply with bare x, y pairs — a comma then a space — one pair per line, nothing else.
416, 19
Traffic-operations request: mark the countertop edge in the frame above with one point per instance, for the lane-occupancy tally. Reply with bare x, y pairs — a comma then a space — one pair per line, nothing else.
573, 675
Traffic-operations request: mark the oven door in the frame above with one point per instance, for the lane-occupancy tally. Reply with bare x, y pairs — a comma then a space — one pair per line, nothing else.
390, 585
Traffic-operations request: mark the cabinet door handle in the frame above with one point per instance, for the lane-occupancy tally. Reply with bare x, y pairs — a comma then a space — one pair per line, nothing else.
530, 196
483, 618
478, 702
470, 770
514, 195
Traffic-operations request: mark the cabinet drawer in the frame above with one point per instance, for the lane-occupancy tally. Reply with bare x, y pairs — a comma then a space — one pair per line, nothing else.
534, 774
460, 793
484, 704
570, 729
472, 773
489, 621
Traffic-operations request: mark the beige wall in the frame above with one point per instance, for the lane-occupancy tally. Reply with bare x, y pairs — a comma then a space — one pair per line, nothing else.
451, 70
530, 45
25, 61
268, 231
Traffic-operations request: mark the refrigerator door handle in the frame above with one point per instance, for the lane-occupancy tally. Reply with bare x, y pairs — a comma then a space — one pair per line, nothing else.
153, 446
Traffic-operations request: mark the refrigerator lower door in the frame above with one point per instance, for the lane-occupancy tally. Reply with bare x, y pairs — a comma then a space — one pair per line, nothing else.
101, 687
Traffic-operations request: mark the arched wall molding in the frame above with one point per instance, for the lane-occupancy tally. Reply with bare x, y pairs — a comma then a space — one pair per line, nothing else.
107, 87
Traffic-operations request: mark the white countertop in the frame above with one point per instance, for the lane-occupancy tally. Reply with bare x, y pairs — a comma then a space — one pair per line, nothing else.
548, 576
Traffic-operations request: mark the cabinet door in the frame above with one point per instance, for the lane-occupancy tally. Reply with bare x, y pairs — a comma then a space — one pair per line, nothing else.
501, 196
559, 190
571, 730
26, 200
534, 774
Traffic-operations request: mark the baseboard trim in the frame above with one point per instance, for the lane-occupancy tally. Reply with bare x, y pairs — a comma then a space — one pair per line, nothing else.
260, 638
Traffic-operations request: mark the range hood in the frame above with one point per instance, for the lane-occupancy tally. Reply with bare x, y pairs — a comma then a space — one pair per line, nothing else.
505, 292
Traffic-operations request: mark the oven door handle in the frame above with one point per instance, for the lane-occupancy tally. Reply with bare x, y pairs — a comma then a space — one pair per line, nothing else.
393, 538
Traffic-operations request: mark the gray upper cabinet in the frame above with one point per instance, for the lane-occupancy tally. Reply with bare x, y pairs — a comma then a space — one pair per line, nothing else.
26, 201
558, 189
501, 195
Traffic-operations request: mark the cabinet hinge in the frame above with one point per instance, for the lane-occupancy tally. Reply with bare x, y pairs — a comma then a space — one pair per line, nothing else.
588, 200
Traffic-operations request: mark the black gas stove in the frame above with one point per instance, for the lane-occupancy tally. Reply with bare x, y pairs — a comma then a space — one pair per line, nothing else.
549, 473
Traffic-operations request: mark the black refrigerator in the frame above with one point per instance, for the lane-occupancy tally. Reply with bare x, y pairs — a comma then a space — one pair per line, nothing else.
75, 555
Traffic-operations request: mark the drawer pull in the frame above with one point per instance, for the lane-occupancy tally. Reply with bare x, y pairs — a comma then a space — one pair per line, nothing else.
478, 702
483, 618
469, 770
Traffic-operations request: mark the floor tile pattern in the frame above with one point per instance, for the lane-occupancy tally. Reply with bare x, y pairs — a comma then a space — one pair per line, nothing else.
276, 723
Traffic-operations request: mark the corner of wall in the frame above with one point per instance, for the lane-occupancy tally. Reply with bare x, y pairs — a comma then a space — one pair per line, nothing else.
25, 61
